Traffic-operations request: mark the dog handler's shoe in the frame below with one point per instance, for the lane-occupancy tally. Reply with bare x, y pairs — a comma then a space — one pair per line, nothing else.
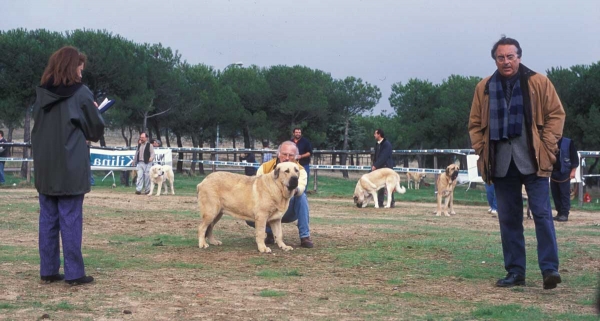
551, 279
81, 280
306, 242
269, 239
52, 278
511, 280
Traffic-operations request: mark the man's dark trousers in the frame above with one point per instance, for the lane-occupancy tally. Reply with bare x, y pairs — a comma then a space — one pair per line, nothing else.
510, 216
561, 194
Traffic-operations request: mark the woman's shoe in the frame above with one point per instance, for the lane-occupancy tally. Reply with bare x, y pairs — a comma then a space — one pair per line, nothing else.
52, 278
81, 280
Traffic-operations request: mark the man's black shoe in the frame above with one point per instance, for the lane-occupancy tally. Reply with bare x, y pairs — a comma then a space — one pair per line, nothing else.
52, 278
551, 279
269, 239
138, 193
81, 280
511, 280
561, 218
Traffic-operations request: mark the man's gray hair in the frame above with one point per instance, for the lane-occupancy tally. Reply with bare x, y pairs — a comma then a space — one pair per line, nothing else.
287, 142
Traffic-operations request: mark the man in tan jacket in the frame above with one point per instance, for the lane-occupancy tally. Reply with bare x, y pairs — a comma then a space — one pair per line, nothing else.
515, 123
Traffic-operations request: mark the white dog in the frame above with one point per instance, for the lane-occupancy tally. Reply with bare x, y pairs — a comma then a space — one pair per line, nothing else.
159, 175
368, 184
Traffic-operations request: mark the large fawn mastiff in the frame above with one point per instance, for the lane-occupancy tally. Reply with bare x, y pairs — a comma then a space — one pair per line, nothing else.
262, 199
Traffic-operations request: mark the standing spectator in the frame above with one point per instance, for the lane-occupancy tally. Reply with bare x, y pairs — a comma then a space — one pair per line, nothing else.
515, 122
491, 198
304, 151
560, 181
382, 159
3, 153
143, 161
266, 156
65, 116
248, 158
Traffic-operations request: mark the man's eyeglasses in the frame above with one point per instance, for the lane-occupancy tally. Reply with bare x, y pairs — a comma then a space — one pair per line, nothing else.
503, 58
287, 155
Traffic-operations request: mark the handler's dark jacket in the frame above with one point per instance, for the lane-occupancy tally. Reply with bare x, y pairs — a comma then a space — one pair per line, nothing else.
383, 155
65, 117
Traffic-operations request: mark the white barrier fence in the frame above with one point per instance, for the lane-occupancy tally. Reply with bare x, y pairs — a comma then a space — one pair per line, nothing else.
121, 158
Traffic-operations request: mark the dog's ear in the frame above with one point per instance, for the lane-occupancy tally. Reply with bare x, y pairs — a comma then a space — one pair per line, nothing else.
448, 171
277, 172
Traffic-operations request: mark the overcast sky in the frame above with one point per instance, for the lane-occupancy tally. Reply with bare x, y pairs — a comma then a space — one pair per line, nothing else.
382, 42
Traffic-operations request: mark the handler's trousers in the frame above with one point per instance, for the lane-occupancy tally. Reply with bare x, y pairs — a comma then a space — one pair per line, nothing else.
510, 216
61, 214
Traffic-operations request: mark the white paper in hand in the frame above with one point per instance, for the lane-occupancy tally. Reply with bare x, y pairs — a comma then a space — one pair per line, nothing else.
105, 105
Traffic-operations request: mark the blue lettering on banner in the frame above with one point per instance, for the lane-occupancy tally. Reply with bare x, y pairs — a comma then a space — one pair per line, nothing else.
113, 161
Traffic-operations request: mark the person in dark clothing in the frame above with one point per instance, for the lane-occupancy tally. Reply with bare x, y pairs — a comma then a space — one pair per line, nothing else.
304, 151
65, 116
248, 158
560, 181
382, 159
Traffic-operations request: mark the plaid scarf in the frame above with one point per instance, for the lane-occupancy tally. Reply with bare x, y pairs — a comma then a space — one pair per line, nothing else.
505, 121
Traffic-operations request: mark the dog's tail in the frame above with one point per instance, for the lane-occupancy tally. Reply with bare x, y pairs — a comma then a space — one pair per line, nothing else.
400, 189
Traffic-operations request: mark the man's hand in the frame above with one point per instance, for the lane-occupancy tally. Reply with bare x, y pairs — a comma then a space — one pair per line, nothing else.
373, 168
95, 103
298, 157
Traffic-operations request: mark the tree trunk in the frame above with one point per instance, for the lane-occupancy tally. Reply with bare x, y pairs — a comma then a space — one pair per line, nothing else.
26, 139
235, 159
9, 135
345, 147
201, 155
167, 142
246, 133
123, 135
180, 154
157, 129
194, 156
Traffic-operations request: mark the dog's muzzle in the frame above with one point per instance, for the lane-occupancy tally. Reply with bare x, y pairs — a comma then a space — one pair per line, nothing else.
293, 183
454, 175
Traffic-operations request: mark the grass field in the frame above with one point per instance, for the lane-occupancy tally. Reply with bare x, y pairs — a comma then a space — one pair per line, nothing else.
378, 264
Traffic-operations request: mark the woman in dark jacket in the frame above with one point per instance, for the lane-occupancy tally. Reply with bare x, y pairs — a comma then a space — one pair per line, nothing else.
65, 116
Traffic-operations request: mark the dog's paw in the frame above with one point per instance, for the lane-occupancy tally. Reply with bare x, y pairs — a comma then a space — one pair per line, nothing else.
437, 214
453, 213
446, 213
203, 245
215, 242
265, 249
286, 248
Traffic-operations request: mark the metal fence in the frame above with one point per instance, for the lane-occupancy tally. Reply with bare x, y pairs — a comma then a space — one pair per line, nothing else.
226, 159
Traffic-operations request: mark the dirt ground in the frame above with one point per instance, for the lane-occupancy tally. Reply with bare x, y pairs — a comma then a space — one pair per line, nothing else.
227, 282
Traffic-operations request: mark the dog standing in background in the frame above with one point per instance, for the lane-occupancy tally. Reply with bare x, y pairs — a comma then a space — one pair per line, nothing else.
159, 175
415, 178
445, 189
